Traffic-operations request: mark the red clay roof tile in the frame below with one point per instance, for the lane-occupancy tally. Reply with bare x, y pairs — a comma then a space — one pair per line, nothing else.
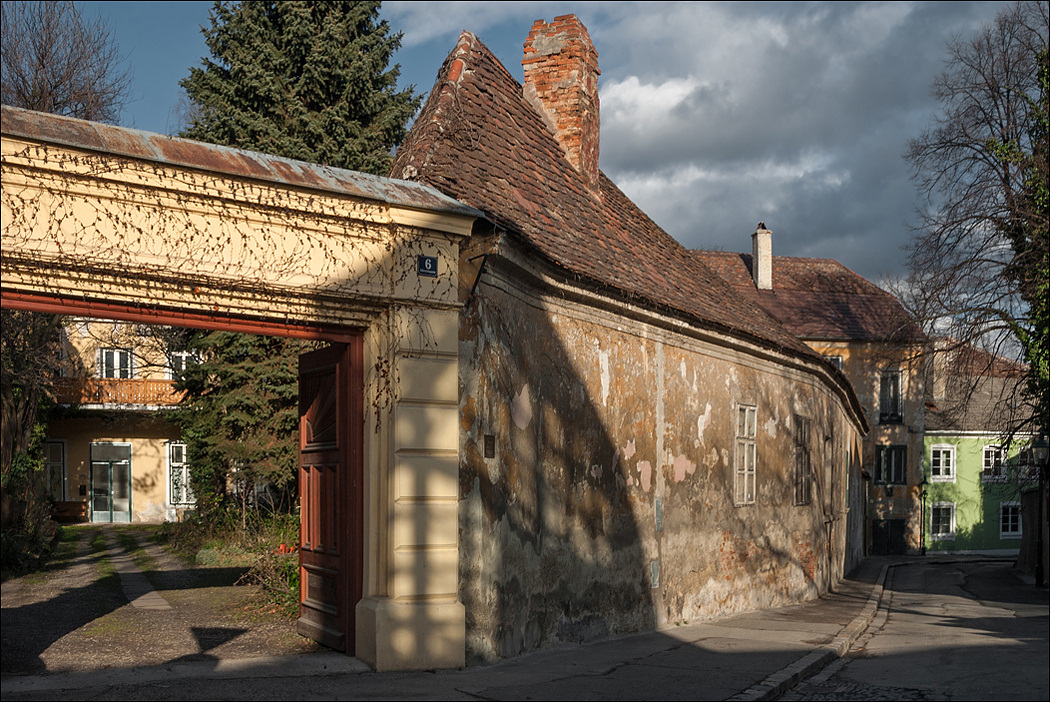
819, 298
479, 141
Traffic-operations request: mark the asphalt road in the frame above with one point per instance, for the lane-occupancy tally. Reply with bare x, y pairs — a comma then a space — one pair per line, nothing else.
946, 631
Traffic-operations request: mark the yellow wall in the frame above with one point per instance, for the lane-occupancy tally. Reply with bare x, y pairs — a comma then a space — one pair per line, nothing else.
148, 436
863, 363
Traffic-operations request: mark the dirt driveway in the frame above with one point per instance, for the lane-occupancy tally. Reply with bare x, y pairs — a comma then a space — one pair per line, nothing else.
75, 616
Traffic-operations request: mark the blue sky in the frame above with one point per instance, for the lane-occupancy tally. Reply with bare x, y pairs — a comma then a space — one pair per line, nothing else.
715, 116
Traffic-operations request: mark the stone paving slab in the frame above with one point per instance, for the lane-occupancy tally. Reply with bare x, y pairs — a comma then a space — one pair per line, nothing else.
710, 660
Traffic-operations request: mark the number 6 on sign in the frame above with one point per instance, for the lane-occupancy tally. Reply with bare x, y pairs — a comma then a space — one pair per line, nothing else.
427, 265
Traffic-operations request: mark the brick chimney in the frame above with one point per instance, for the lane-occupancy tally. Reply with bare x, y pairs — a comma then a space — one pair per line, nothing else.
762, 257
561, 82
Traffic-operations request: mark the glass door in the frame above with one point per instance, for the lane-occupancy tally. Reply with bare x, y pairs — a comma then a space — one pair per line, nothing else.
111, 482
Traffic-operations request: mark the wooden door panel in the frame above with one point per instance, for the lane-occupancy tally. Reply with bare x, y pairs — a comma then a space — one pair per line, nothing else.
330, 493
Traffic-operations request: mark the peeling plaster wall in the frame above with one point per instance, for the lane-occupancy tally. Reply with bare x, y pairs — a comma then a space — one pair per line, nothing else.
607, 503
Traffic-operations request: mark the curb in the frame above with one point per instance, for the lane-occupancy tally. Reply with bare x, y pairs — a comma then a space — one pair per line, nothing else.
783, 680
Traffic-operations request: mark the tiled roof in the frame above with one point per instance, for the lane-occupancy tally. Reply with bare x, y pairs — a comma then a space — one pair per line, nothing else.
819, 298
987, 403
981, 390
479, 141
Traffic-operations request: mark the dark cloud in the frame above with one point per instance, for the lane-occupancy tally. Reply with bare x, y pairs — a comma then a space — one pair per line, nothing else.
716, 116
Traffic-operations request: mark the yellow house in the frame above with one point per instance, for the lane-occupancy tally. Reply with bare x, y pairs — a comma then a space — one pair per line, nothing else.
112, 456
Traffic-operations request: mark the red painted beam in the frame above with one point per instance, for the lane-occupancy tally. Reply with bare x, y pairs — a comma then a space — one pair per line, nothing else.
54, 304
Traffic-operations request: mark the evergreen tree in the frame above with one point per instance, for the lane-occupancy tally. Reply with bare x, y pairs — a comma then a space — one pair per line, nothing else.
305, 80
239, 419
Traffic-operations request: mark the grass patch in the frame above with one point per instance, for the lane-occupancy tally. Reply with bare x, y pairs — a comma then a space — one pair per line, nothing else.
104, 566
112, 623
129, 543
265, 547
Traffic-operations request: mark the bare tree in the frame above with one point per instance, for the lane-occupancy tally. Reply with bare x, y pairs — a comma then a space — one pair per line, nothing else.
979, 261
54, 61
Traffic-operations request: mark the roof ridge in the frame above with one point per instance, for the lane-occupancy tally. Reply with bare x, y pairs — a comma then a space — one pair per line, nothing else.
478, 138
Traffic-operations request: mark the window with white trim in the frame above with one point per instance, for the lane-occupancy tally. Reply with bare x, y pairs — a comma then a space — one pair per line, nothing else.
115, 363
834, 360
179, 476
993, 463
178, 362
942, 521
744, 474
891, 409
1009, 520
891, 465
942, 463
1026, 466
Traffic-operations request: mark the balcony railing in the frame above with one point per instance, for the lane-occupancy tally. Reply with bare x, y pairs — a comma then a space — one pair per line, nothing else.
115, 391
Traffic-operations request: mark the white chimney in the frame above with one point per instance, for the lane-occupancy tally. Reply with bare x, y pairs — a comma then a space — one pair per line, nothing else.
762, 257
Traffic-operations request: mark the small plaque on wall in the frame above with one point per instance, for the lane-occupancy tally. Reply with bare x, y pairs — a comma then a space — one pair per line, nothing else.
427, 266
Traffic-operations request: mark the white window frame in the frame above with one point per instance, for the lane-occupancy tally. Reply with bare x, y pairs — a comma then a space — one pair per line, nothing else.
942, 463
186, 358
887, 475
950, 535
834, 359
746, 455
184, 468
122, 358
993, 464
803, 461
1011, 505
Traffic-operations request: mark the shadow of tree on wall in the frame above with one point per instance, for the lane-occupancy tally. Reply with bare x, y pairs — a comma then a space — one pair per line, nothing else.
573, 525
559, 528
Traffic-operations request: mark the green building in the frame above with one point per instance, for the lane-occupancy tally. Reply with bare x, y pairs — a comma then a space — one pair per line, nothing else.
974, 484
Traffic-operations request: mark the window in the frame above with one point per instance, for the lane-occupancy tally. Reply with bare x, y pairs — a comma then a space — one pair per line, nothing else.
803, 461
55, 468
1009, 520
942, 463
890, 410
1026, 467
994, 467
744, 478
891, 465
178, 362
942, 521
179, 476
115, 363
835, 361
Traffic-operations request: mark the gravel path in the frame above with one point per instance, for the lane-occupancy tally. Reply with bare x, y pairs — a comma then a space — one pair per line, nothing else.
74, 616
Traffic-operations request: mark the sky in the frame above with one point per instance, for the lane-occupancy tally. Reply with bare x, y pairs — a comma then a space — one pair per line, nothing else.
714, 116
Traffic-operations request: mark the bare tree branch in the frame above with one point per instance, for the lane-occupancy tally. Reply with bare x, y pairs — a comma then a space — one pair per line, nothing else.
979, 257
54, 61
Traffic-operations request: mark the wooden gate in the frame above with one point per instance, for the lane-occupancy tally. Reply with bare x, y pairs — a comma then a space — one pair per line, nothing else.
330, 493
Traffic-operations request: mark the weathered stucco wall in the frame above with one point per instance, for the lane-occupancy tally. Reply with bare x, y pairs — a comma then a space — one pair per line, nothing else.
863, 363
596, 485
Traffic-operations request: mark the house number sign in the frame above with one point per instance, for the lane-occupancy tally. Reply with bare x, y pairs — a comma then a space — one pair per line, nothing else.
427, 266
